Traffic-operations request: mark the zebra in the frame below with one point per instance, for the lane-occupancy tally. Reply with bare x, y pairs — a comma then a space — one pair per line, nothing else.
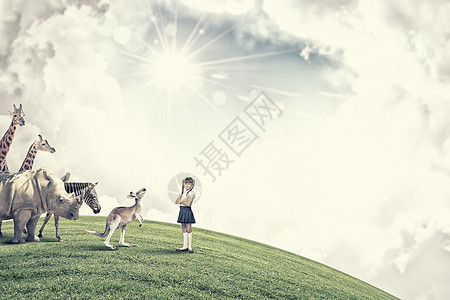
90, 198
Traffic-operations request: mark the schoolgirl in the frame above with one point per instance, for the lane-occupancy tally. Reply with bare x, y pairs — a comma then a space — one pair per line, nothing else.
186, 216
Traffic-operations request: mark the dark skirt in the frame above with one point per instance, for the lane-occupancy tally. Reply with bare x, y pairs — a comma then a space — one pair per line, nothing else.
186, 215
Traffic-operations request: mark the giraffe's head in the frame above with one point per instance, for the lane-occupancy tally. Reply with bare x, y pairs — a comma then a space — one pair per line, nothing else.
43, 145
18, 115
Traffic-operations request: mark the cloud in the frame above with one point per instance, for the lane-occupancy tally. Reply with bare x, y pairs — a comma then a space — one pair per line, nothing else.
217, 6
157, 215
364, 190
305, 53
382, 166
107, 203
69, 97
379, 152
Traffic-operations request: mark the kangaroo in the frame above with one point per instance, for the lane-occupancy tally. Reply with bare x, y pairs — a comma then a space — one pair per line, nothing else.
121, 217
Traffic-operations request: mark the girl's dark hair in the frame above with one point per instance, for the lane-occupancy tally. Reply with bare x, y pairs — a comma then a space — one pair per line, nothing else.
188, 180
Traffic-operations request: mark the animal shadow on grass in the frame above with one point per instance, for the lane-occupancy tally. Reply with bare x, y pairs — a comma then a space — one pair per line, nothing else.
6, 240
44, 240
169, 250
107, 249
98, 248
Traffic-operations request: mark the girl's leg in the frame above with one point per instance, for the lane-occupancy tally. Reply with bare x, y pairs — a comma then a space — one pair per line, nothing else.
189, 235
185, 237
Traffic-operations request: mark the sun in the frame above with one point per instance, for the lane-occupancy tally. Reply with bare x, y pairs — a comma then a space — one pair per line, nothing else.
179, 65
174, 71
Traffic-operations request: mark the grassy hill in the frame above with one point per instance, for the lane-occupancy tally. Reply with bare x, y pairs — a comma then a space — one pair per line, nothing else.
222, 267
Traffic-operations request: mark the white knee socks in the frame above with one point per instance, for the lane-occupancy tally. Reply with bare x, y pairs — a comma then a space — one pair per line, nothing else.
189, 235
185, 240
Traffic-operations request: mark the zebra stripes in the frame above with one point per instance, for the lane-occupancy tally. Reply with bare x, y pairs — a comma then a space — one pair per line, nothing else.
89, 198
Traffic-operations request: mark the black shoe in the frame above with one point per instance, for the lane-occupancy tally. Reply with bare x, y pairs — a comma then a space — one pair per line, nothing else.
182, 250
191, 251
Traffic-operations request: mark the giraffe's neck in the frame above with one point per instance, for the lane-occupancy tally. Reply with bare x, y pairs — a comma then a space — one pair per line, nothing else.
28, 162
4, 168
5, 142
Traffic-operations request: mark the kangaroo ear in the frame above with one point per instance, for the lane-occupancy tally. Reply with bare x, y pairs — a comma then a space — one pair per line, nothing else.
65, 177
131, 195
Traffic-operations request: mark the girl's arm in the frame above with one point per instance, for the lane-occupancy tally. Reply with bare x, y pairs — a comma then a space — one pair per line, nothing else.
188, 200
178, 201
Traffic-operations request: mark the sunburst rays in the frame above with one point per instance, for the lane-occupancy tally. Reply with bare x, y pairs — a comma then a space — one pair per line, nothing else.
176, 69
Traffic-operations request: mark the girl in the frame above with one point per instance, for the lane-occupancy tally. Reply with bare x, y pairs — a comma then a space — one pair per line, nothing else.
186, 217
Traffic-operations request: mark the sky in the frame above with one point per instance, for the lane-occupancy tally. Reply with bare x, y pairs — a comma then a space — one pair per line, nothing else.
322, 126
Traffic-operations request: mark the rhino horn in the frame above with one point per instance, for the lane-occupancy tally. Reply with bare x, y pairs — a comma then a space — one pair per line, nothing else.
80, 197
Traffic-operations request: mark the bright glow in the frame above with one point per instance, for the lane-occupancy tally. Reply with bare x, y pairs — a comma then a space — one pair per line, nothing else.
122, 35
173, 70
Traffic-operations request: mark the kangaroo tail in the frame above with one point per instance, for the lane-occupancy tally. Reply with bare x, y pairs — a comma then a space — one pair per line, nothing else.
100, 234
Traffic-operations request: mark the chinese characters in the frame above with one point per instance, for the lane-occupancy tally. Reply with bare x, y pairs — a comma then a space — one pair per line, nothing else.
237, 136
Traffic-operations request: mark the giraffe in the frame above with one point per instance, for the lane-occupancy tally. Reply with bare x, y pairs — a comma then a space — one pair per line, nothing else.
4, 169
38, 145
5, 142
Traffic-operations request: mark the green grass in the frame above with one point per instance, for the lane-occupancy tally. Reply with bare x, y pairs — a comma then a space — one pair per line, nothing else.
222, 267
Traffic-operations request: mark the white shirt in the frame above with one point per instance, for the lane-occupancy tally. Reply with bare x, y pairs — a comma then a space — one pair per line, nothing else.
191, 194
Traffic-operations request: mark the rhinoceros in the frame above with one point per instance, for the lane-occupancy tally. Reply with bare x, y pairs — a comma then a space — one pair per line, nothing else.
24, 196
